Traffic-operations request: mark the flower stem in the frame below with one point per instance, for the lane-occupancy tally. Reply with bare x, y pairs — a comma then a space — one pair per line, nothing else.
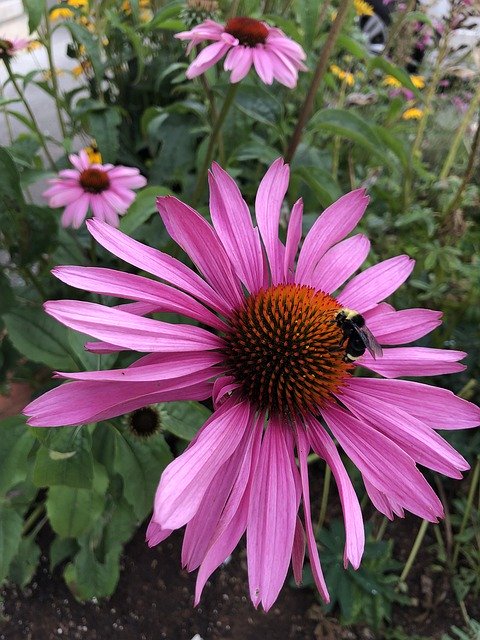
468, 510
467, 118
227, 103
48, 45
320, 70
21, 95
326, 491
468, 173
415, 549
382, 528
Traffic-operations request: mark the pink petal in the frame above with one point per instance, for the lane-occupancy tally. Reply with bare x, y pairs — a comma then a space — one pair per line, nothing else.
129, 331
323, 446
75, 212
303, 448
294, 234
59, 197
155, 534
414, 361
263, 64
271, 519
376, 283
384, 464
157, 263
207, 58
402, 327
339, 263
197, 238
298, 552
438, 408
164, 298
268, 204
84, 402
233, 224
239, 60
383, 503
333, 225
186, 480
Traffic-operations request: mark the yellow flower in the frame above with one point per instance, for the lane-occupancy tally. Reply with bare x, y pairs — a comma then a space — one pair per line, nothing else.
390, 81
83, 67
80, 4
363, 8
61, 12
414, 113
93, 153
345, 76
33, 44
47, 74
418, 81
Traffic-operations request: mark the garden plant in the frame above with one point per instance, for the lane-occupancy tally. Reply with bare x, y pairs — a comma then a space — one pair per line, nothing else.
242, 261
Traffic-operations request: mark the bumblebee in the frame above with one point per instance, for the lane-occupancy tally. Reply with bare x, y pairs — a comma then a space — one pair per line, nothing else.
357, 336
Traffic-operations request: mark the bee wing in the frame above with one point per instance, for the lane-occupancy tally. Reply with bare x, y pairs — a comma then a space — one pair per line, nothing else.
374, 349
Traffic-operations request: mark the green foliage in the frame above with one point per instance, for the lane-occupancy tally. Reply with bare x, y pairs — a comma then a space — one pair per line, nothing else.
470, 632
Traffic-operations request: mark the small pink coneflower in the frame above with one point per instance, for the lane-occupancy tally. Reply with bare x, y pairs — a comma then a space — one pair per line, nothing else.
105, 189
272, 357
10, 46
246, 41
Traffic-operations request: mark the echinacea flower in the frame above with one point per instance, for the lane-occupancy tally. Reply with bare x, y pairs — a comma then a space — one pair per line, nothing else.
246, 41
105, 189
271, 355
10, 46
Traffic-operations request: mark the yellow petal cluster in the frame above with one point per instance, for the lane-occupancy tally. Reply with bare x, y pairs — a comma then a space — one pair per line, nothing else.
414, 113
344, 76
362, 8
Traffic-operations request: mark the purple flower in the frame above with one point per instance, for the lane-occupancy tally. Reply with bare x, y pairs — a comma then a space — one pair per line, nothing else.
9, 47
272, 356
104, 188
246, 41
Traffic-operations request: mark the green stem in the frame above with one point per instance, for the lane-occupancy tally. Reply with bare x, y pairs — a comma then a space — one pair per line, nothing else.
459, 135
227, 103
468, 510
307, 107
413, 553
48, 45
326, 491
337, 139
30, 113
382, 528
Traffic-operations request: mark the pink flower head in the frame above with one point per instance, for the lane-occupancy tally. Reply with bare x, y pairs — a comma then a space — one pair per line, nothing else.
247, 42
272, 356
10, 46
104, 188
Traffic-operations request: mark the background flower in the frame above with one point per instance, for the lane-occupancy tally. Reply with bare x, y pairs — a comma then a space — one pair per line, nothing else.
105, 189
272, 356
246, 41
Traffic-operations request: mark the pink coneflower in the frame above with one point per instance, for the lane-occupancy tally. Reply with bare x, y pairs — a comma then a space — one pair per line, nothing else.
247, 41
105, 189
10, 46
271, 355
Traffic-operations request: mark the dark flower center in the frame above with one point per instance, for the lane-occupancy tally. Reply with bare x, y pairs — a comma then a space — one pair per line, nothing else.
144, 422
94, 180
284, 349
5, 47
248, 31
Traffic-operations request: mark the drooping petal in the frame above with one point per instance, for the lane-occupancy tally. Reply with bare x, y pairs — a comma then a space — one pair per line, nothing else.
110, 282
207, 58
271, 519
268, 204
239, 60
155, 534
414, 361
197, 238
402, 327
294, 234
233, 224
129, 331
185, 481
157, 263
384, 464
263, 64
298, 552
303, 448
438, 408
323, 446
376, 283
339, 263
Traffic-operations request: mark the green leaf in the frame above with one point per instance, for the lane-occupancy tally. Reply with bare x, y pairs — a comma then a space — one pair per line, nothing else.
379, 62
15, 444
104, 127
91, 44
87, 577
140, 464
89, 360
142, 208
394, 143
24, 564
60, 550
40, 338
259, 104
357, 49
350, 125
65, 460
73, 512
320, 182
184, 419
11, 524
34, 9
10, 190
121, 526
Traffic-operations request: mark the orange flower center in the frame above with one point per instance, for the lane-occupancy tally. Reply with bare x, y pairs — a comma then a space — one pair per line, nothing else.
94, 180
284, 349
248, 31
